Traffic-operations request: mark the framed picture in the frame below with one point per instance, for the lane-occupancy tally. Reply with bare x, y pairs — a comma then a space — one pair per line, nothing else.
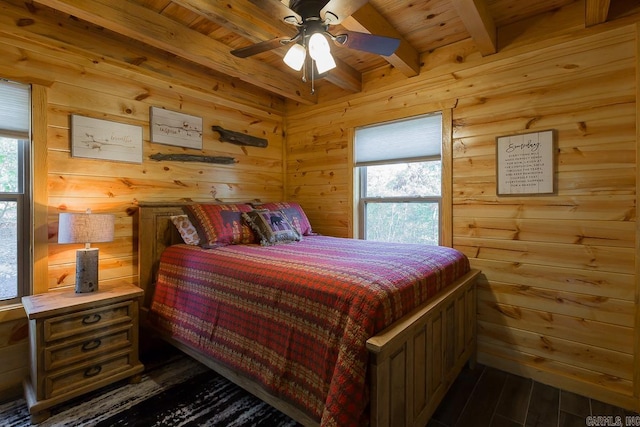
105, 140
525, 163
173, 128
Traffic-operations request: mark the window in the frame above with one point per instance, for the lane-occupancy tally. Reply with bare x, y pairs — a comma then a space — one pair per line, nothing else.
15, 204
399, 174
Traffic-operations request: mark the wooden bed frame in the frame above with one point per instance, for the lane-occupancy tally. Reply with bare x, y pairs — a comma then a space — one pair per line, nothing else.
412, 363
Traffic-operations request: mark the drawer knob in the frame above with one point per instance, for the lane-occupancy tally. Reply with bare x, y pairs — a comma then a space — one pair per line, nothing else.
91, 319
91, 345
93, 371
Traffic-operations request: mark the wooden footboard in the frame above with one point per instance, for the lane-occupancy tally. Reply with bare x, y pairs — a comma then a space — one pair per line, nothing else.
413, 362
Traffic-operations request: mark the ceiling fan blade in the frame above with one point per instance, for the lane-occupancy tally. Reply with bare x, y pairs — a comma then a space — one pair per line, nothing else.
264, 46
277, 10
338, 10
380, 45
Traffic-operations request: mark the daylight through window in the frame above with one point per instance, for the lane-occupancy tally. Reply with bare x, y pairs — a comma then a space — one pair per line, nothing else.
14, 190
399, 174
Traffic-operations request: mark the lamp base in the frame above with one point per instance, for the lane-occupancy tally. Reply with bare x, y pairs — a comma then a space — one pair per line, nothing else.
87, 270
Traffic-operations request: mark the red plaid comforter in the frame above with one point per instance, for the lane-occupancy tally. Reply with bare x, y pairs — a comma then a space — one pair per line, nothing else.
295, 317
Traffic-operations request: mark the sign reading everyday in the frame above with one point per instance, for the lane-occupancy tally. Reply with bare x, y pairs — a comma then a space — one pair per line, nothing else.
525, 163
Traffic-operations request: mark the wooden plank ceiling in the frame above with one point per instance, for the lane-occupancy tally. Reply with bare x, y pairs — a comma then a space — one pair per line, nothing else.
205, 31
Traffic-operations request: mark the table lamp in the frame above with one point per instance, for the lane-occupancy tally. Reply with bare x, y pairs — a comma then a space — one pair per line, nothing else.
86, 228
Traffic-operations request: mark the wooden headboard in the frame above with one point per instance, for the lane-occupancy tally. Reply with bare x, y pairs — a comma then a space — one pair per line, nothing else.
155, 233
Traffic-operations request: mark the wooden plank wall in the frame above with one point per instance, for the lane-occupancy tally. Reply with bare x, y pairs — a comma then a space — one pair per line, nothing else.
120, 84
558, 295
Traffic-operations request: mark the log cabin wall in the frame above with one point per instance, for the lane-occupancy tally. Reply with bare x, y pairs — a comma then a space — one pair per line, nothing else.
559, 291
558, 298
120, 83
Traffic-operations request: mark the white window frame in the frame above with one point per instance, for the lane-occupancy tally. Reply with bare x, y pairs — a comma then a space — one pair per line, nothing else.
363, 200
444, 201
23, 199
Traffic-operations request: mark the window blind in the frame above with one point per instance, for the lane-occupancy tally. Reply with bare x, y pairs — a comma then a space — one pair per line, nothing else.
411, 139
14, 110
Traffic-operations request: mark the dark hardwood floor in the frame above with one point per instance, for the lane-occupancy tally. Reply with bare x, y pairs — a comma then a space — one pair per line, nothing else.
487, 397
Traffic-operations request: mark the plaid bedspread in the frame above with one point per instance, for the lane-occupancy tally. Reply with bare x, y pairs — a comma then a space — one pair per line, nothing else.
295, 317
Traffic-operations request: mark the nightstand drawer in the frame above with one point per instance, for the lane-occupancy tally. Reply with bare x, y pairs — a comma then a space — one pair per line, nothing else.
80, 342
82, 348
64, 381
85, 321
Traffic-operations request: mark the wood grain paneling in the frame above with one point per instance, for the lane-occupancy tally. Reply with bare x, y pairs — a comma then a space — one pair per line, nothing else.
558, 297
559, 294
114, 85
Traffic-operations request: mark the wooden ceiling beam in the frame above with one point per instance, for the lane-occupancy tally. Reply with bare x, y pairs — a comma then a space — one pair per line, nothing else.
140, 23
476, 18
596, 12
368, 20
243, 18
254, 24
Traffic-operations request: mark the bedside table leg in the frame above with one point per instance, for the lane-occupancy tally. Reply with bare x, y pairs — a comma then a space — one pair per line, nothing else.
39, 417
135, 379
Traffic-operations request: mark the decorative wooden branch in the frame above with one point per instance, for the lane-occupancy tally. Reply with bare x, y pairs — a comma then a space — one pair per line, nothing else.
193, 158
239, 138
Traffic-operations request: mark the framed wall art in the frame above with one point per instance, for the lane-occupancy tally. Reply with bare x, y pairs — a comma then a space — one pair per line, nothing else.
173, 128
105, 140
525, 163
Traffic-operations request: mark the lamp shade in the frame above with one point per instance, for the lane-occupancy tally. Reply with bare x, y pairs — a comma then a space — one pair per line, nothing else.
295, 57
85, 228
325, 63
320, 51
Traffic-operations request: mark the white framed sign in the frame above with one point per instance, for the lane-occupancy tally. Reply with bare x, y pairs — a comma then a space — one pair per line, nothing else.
174, 128
525, 163
105, 140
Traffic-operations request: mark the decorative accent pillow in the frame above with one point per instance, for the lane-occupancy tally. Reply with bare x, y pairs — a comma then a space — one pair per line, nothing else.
272, 227
220, 225
294, 213
186, 229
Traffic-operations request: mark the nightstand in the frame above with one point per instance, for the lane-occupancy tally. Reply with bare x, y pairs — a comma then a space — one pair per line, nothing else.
80, 342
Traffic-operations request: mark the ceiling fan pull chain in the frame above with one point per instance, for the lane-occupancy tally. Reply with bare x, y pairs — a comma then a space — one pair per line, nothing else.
305, 70
304, 45
313, 18
313, 80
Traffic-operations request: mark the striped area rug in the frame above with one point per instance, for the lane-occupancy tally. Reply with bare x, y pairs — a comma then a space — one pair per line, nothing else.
181, 392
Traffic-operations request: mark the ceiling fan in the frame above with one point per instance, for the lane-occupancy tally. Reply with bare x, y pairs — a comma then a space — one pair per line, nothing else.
313, 19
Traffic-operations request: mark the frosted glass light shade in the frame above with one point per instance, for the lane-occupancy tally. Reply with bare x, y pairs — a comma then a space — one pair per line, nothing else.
325, 64
320, 51
318, 46
85, 228
295, 57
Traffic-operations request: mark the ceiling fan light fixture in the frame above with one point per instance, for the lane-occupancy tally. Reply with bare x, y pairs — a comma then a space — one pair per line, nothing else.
313, 19
320, 51
325, 64
295, 57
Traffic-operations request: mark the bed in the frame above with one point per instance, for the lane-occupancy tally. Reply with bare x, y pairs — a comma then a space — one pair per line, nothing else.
393, 362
